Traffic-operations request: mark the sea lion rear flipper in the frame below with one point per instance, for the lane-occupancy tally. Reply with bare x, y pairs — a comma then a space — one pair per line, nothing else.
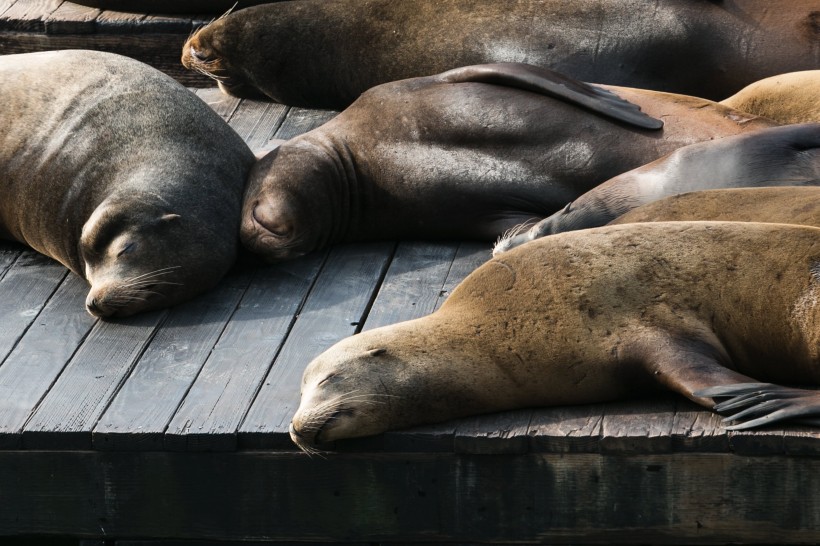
765, 403
554, 84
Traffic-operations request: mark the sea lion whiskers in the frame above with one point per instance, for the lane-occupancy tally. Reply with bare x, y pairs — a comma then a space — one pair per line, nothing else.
514, 231
312, 423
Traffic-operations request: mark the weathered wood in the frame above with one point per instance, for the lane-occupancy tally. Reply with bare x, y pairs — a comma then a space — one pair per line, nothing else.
72, 18
335, 308
72, 407
503, 433
39, 357
222, 104
638, 427
695, 428
548, 498
223, 391
802, 441
29, 282
119, 22
469, 256
301, 120
170, 24
412, 284
765, 441
28, 15
570, 429
9, 253
257, 121
162, 51
146, 403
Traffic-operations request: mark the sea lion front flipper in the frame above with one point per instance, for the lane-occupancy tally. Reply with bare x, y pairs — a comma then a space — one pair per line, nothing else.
765, 403
554, 84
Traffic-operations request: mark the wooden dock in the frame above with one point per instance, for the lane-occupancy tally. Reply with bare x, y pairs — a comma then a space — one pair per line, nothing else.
172, 425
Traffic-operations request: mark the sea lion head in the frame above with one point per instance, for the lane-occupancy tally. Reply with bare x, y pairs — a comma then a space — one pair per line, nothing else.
289, 210
139, 253
359, 387
208, 52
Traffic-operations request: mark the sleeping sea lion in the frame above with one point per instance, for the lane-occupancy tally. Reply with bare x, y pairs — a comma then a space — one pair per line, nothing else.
468, 153
325, 53
591, 316
119, 173
799, 205
779, 156
786, 98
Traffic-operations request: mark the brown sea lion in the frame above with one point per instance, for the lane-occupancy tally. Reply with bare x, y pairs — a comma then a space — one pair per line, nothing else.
786, 98
779, 156
324, 53
468, 153
591, 316
798, 205
119, 173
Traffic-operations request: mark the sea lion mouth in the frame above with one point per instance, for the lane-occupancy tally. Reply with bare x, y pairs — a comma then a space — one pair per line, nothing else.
310, 435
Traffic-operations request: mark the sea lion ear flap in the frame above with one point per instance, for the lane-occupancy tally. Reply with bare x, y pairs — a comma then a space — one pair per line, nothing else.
554, 84
271, 145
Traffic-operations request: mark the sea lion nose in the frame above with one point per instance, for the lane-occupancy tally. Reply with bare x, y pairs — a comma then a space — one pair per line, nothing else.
199, 56
92, 307
272, 219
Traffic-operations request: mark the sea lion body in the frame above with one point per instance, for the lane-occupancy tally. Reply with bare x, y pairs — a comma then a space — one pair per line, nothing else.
799, 205
292, 51
121, 174
447, 156
785, 98
582, 317
778, 156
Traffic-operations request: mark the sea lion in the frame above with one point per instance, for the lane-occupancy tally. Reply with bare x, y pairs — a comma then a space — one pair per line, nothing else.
779, 156
786, 98
798, 205
584, 317
324, 53
119, 173
464, 154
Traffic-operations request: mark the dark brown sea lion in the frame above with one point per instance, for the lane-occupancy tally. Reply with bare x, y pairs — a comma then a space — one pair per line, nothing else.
324, 53
786, 98
121, 174
798, 205
457, 156
591, 316
779, 156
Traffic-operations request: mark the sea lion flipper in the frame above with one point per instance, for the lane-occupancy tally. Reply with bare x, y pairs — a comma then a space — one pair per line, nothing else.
765, 403
554, 84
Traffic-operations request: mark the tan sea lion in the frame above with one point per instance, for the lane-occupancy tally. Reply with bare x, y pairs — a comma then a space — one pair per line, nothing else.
779, 156
786, 98
119, 173
591, 316
799, 205
468, 153
325, 53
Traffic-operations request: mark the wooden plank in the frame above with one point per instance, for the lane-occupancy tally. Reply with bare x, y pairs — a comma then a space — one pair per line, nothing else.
28, 16
801, 441
336, 306
503, 433
638, 426
554, 498
72, 18
412, 284
161, 51
470, 255
223, 391
222, 104
9, 253
568, 429
169, 24
697, 429
302, 120
32, 279
5, 5
257, 121
71, 409
40, 356
765, 441
146, 403
119, 22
